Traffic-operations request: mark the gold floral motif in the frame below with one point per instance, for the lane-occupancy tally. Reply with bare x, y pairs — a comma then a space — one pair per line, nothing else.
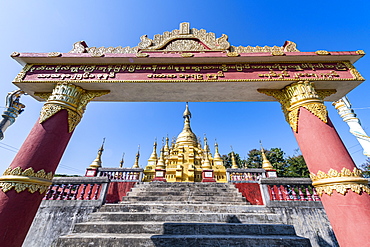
360, 52
353, 71
187, 54
22, 74
71, 98
340, 181
54, 54
277, 53
322, 52
297, 95
290, 46
140, 54
15, 54
233, 54
27, 179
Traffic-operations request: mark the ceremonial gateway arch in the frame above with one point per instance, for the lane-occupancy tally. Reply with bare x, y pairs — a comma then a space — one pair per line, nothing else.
188, 65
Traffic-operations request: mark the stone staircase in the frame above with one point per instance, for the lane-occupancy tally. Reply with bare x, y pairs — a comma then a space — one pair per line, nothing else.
183, 214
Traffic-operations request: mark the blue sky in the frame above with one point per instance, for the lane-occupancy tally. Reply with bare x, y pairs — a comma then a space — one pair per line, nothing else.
46, 26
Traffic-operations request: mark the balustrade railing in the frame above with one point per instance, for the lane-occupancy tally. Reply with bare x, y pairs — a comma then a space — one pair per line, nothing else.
77, 188
238, 175
121, 174
290, 189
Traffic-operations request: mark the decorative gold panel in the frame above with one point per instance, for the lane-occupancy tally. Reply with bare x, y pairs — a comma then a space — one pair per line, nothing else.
340, 181
69, 97
20, 180
300, 94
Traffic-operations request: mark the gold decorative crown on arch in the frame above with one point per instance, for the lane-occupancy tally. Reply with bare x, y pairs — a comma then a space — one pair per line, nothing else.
184, 39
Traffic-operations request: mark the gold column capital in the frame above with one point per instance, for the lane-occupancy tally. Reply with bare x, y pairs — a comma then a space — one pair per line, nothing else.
68, 97
27, 179
300, 94
340, 181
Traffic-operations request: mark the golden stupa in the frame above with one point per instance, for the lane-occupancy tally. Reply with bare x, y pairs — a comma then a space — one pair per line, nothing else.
185, 159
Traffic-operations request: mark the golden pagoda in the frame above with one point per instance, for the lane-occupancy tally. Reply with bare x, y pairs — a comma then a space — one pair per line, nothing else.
185, 159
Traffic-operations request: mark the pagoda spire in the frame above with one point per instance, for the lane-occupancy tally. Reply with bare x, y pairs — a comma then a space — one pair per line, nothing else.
265, 162
187, 136
122, 161
97, 162
166, 147
217, 153
136, 164
160, 164
233, 161
154, 156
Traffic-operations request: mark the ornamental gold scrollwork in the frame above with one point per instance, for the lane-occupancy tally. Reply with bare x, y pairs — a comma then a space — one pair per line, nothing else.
21, 180
184, 39
68, 97
22, 74
353, 71
297, 95
340, 182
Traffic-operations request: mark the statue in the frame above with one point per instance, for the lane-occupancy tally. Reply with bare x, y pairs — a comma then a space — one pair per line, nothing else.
12, 109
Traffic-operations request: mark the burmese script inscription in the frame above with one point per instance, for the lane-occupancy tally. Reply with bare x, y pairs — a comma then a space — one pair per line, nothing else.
190, 73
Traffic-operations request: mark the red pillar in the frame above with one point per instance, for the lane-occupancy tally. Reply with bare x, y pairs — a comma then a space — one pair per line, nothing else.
323, 150
42, 149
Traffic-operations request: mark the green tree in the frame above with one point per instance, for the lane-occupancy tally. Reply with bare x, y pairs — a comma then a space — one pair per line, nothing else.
366, 168
291, 166
228, 160
274, 155
295, 167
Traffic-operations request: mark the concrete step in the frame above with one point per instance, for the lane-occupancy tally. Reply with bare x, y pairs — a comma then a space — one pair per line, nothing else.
184, 199
165, 207
182, 184
183, 193
155, 227
148, 240
186, 217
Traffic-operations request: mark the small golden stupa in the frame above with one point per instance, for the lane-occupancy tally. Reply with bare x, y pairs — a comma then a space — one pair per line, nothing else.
185, 159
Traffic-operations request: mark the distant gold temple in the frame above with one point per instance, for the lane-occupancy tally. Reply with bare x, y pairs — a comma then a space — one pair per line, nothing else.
185, 159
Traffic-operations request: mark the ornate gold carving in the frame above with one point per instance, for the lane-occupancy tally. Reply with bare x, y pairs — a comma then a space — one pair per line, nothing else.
353, 71
340, 181
184, 45
140, 54
54, 54
360, 52
322, 52
81, 47
42, 95
233, 54
27, 179
277, 53
71, 98
185, 39
15, 54
22, 74
289, 46
187, 54
300, 94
